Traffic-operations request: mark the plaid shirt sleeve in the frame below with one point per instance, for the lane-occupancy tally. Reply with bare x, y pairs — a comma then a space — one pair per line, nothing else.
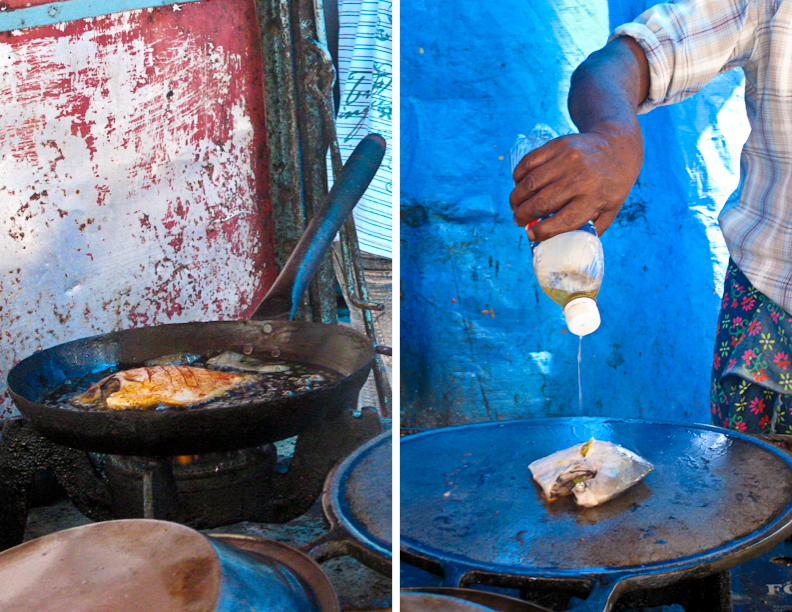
689, 42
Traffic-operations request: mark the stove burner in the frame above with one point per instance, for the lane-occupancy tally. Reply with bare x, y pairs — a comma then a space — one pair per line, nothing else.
202, 491
709, 594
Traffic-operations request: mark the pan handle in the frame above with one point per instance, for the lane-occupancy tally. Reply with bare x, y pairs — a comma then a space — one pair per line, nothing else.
337, 543
329, 545
603, 597
284, 296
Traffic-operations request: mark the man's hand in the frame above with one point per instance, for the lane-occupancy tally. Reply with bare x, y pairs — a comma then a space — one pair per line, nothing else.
587, 176
579, 177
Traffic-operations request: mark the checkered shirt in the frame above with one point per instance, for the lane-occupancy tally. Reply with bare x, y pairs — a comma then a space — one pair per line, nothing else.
688, 43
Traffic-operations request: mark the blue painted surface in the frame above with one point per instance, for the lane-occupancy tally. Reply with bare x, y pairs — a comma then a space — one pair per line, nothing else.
72, 10
480, 341
765, 583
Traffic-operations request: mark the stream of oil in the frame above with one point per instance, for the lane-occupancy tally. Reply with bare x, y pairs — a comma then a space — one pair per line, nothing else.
580, 384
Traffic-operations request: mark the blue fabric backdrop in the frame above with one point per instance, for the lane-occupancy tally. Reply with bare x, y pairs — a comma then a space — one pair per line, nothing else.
480, 341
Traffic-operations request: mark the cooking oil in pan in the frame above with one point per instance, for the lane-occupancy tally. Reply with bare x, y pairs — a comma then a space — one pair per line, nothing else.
273, 379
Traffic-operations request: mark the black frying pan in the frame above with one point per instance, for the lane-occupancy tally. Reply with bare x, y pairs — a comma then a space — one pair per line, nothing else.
209, 429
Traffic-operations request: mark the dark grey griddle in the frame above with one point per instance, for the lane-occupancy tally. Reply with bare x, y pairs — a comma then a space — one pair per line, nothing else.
470, 510
357, 502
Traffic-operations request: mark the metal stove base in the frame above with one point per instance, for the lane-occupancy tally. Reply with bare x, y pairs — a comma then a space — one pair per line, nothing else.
764, 584
712, 594
287, 489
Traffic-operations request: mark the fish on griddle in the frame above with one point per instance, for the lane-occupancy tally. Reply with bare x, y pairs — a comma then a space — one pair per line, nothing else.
166, 385
593, 472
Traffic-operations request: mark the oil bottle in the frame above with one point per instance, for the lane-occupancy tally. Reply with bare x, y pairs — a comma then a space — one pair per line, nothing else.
569, 267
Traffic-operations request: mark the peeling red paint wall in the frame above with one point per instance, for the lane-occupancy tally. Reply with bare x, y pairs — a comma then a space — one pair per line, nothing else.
11, 5
133, 174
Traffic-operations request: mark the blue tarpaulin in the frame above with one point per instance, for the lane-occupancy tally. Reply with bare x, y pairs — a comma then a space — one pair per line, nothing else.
480, 340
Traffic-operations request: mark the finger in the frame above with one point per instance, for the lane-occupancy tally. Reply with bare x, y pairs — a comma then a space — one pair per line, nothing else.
604, 221
532, 183
544, 202
536, 158
573, 215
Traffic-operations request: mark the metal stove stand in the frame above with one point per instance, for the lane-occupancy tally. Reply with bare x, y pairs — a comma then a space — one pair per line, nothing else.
709, 594
46, 487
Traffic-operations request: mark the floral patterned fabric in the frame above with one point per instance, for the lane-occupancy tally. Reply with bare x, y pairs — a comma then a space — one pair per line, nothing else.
752, 367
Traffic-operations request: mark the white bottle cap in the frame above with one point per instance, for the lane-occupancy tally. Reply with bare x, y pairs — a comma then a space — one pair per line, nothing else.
582, 316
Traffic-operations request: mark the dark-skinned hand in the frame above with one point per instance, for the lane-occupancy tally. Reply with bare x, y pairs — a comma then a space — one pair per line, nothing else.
579, 177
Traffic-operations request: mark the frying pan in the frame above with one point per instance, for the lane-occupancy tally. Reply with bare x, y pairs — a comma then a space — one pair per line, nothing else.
215, 428
471, 512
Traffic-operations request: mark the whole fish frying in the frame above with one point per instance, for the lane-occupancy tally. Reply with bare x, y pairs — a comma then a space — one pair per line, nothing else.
166, 385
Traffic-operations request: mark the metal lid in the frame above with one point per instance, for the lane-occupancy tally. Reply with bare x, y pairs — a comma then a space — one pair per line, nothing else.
433, 602
113, 566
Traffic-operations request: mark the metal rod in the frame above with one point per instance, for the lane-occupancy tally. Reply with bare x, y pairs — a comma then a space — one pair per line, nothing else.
357, 290
148, 493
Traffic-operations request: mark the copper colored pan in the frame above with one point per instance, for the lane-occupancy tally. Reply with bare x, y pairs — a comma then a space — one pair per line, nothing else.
140, 565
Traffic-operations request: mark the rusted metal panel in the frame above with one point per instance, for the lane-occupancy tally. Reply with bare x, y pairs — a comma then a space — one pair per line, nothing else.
292, 33
134, 168
18, 14
288, 211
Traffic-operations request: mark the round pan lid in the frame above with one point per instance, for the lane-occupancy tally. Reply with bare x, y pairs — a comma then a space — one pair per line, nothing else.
114, 566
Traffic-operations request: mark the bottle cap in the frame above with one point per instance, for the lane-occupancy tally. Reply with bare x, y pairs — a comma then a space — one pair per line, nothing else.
582, 316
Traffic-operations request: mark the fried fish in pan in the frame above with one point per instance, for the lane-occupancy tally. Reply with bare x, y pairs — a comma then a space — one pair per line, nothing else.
166, 385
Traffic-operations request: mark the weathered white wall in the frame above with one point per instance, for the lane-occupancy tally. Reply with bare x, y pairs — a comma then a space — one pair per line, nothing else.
129, 154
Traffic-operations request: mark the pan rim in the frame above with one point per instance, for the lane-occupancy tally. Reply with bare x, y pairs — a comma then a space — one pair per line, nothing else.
142, 432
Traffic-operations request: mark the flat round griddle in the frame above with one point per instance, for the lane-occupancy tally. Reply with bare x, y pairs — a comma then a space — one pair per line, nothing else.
470, 509
358, 504
204, 428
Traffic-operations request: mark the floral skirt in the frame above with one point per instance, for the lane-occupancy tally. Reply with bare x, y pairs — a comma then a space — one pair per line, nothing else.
752, 367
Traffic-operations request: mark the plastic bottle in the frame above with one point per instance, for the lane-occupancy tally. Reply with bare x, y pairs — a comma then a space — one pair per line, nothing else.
569, 267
